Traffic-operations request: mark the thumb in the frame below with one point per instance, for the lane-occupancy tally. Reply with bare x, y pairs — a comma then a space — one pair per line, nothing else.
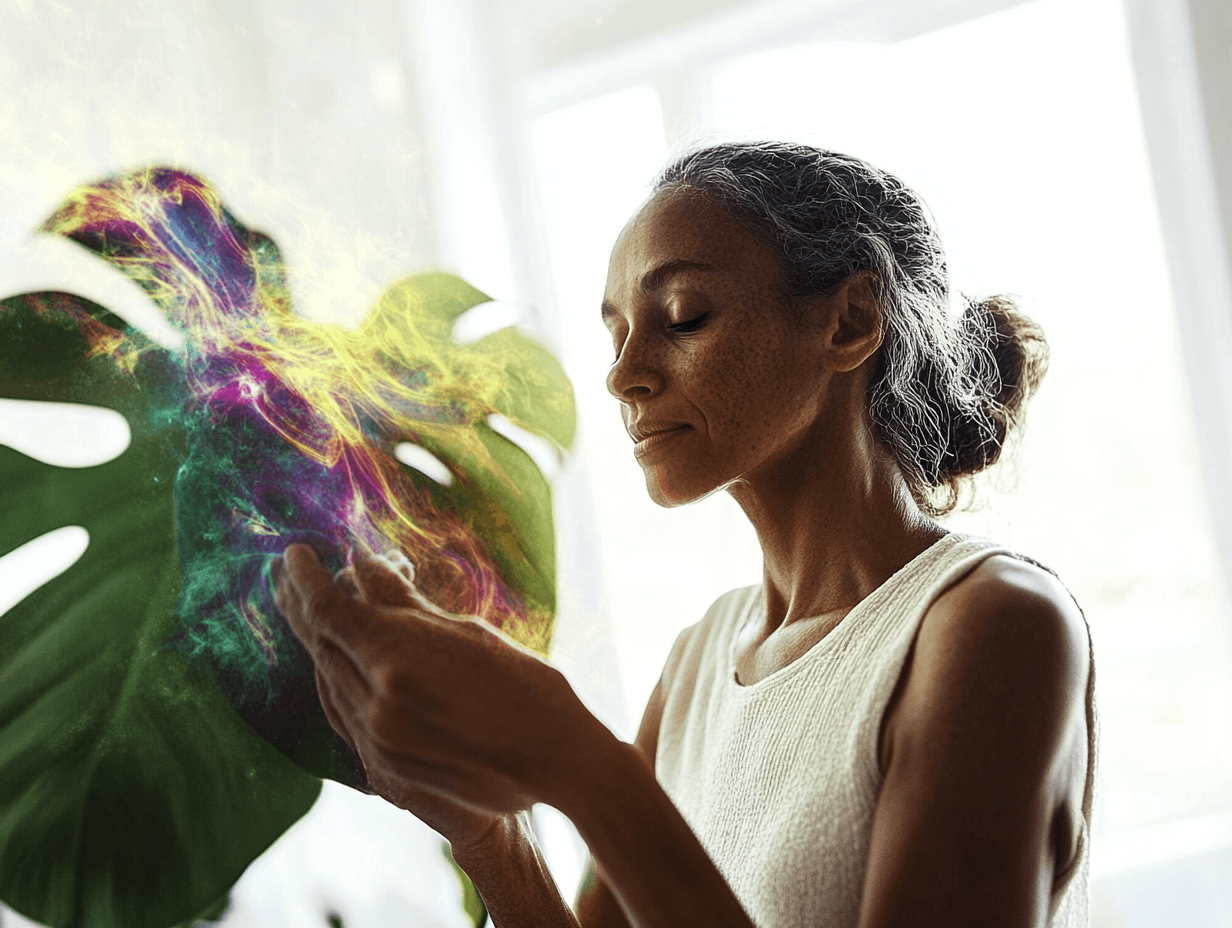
314, 605
313, 586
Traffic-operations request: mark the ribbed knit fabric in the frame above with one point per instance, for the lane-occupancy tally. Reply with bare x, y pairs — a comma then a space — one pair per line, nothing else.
779, 779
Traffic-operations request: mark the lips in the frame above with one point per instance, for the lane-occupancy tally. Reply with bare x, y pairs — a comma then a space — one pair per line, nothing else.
639, 433
649, 438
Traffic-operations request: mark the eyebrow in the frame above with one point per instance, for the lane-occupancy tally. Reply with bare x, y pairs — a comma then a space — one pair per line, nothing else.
656, 277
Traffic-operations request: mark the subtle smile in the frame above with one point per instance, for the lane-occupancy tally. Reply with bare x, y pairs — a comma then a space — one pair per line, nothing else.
654, 440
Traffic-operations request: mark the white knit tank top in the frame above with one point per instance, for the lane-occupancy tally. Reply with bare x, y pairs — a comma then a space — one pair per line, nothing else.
779, 779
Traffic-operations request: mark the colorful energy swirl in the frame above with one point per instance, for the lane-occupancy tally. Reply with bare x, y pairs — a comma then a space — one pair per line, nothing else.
290, 425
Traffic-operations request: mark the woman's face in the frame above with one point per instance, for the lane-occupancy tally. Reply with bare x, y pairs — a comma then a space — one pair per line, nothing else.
716, 378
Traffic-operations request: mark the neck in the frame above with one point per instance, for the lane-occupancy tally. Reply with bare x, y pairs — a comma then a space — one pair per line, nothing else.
835, 520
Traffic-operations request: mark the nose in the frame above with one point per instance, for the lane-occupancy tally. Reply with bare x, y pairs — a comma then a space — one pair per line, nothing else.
637, 373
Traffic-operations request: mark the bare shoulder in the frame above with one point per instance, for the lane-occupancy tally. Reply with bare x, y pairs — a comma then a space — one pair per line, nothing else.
1003, 649
1007, 616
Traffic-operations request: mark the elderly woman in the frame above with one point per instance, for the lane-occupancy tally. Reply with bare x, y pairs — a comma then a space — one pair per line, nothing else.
895, 727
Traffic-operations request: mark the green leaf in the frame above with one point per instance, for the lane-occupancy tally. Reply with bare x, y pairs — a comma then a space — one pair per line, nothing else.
472, 902
504, 371
506, 501
131, 793
497, 489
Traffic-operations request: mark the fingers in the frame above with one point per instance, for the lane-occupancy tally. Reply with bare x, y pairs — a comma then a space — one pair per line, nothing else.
304, 570
318, 607
344, 690
389, 618
383, 580
389, 579
334, 628
344, 695
345, 579
350, 688
402, 564
305, 590
332, 713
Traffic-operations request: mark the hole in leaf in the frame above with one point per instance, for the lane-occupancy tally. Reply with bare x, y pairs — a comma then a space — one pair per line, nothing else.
423, 461
485, 319
23, 570
545, 454
50, 262
63, 434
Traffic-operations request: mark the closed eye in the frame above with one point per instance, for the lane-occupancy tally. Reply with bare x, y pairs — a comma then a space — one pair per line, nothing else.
689, 325
679, 328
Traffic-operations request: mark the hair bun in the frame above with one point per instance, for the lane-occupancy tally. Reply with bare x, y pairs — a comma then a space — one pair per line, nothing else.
1014, 356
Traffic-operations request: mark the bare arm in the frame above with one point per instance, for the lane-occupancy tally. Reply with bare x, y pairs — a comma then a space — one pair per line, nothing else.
645, 852
640, 845
985, 761
597, 906
985, 757
509, 873
649, 870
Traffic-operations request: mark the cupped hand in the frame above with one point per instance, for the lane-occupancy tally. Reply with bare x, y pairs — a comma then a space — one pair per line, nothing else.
389, 581
452, 720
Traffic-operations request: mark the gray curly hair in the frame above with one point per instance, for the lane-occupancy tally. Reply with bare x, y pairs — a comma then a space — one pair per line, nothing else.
944, 394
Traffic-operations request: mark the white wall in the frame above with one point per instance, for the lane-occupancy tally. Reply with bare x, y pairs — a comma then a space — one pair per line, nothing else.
302, 114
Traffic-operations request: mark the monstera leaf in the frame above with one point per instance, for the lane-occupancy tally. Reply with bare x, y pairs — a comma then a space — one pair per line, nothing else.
159, 725
131, 792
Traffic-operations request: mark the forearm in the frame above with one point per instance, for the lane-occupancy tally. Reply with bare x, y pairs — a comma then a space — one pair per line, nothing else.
644, 849
514, 882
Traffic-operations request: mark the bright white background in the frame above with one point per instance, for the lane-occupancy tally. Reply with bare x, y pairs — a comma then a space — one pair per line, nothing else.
509, 141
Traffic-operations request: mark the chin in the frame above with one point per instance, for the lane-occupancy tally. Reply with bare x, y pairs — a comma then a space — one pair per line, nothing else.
671, 493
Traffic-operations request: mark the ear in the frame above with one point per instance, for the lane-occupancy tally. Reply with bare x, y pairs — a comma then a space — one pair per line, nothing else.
855, 327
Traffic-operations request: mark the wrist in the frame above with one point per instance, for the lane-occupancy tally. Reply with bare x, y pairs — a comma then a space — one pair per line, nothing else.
510, 875
597, 776
504, 833
576, 759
